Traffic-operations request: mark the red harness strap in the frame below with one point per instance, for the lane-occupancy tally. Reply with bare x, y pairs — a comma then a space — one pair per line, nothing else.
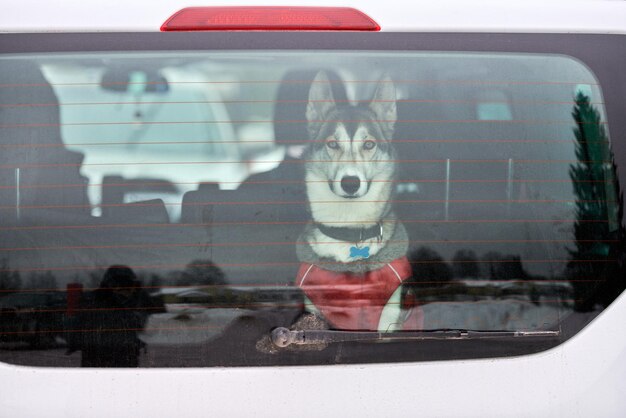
352, 301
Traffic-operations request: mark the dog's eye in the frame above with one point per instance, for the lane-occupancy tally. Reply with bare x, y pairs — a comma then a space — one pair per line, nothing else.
368, 145
332, 144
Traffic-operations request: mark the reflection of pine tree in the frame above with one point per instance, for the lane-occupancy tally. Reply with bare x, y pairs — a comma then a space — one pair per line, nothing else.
598, 210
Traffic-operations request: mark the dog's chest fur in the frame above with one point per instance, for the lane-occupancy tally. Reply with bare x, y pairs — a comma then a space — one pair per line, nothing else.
316, 248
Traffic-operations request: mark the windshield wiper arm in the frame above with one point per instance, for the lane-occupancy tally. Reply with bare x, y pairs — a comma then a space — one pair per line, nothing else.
283, 337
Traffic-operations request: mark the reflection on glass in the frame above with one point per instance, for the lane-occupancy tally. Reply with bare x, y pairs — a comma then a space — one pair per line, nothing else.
594, 271
106, 324
233, 193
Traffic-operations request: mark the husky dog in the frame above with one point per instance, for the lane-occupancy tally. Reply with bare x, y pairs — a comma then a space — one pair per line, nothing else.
353, 252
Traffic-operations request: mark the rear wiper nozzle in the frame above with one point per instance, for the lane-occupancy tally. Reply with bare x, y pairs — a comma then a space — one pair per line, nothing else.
283, 337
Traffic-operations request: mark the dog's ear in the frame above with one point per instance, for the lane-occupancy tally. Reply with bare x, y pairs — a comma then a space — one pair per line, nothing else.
321, 103
384, 105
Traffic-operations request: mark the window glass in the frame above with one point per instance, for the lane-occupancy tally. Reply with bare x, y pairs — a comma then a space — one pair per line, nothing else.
217, 208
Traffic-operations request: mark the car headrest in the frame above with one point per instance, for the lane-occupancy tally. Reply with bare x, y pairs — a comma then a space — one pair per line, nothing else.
291, 103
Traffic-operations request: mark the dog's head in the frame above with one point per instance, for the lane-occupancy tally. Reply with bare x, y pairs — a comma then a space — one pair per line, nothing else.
351, 145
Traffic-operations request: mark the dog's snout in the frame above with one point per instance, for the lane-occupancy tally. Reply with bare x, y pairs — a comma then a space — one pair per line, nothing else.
350, 184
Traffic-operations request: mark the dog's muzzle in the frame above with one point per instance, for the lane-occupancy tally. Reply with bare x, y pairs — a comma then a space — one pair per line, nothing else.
350, 185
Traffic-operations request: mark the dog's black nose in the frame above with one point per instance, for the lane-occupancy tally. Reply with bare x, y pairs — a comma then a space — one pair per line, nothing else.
350, 184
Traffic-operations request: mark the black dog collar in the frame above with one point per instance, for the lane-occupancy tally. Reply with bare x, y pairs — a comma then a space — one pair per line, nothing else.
352, 234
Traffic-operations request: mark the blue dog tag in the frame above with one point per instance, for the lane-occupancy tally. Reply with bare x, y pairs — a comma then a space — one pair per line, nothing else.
360, 252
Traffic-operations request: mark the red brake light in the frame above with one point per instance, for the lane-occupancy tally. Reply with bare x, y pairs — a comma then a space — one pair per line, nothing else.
269, 18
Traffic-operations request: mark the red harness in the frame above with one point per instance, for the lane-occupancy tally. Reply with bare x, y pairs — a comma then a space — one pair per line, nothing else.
352, 301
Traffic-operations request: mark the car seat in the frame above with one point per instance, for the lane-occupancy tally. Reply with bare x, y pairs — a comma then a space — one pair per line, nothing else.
41, 178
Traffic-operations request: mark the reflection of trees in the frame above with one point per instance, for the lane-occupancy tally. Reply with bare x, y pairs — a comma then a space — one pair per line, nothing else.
196, 273
465, 264
202, 273
154, 281
429, 268
45, 281
503, 266
10, 280
94, 278
599, 211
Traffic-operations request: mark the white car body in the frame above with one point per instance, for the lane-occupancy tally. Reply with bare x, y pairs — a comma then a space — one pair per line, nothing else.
585, 376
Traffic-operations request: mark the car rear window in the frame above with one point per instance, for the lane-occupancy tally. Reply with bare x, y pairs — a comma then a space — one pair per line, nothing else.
271, 207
